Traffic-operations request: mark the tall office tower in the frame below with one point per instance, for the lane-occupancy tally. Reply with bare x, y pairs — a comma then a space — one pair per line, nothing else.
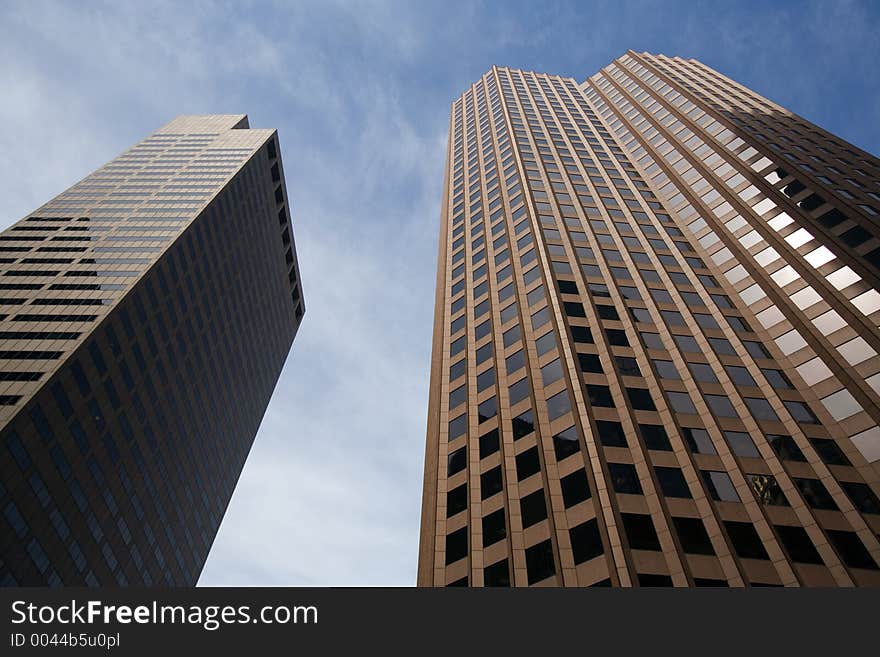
655, 352
146, 314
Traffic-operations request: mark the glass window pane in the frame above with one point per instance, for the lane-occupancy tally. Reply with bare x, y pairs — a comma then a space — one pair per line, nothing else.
741, 444
720, 486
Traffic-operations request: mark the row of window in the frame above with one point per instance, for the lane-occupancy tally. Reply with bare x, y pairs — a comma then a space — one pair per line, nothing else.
586, 544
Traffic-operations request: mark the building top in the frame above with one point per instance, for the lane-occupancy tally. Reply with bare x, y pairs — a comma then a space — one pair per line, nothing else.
189, 123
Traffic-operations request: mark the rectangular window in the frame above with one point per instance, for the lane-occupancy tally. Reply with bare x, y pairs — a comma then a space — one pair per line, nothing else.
672, 482
624, 478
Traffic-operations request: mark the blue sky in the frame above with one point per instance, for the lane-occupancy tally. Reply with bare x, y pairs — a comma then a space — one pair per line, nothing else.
360, 94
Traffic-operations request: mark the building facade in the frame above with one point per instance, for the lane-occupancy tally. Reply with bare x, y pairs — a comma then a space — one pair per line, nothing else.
146, 314
655, 357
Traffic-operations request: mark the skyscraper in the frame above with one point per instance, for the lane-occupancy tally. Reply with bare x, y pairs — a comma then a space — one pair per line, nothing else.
146, 315
655, 357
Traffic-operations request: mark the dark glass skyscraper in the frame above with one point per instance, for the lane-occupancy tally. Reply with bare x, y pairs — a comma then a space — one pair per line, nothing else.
146, 314
656, 341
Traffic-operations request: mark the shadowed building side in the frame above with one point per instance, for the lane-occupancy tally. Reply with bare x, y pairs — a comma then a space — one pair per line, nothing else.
155, 304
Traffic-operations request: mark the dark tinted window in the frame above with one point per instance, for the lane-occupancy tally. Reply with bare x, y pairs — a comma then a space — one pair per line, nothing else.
756, 349
523, 425
640, 398
797, 544
706, 321
687, 344
776, 379
722, 346
851, 549
494, 528
741, 444
535, 295
539, 562
655, 437
545, 343
457, 369
456, 500
582, 334
627, 366
590, 363
746, 542
457, 396
586, 541
693, 536
488, 409
600, 395
829, 452
702, 372
567, 287
498, 574
488, 443
641, 315
672, 317
551, 372
720, 486
864, 499
511, 335
721, 406
527, 463
509, 312
558, 405
800, 412
815, 494
680, 402
640, 531
624, 478
533, 508
519, 391
786, 448
666, 370
456, 545
708, 582
739, 375
483, 329
485, 379
575, 488
515, 361
698, 441
606, 312
565, 443
457, 426
617, 337
456, 461
738, 324
490, 482
672, 482
760, 408
610, 433
652, 580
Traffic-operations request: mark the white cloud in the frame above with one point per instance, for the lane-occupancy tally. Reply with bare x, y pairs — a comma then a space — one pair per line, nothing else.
331, 491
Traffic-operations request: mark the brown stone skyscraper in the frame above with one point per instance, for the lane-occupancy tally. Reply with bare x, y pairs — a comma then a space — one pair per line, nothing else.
655, 354
146, 315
